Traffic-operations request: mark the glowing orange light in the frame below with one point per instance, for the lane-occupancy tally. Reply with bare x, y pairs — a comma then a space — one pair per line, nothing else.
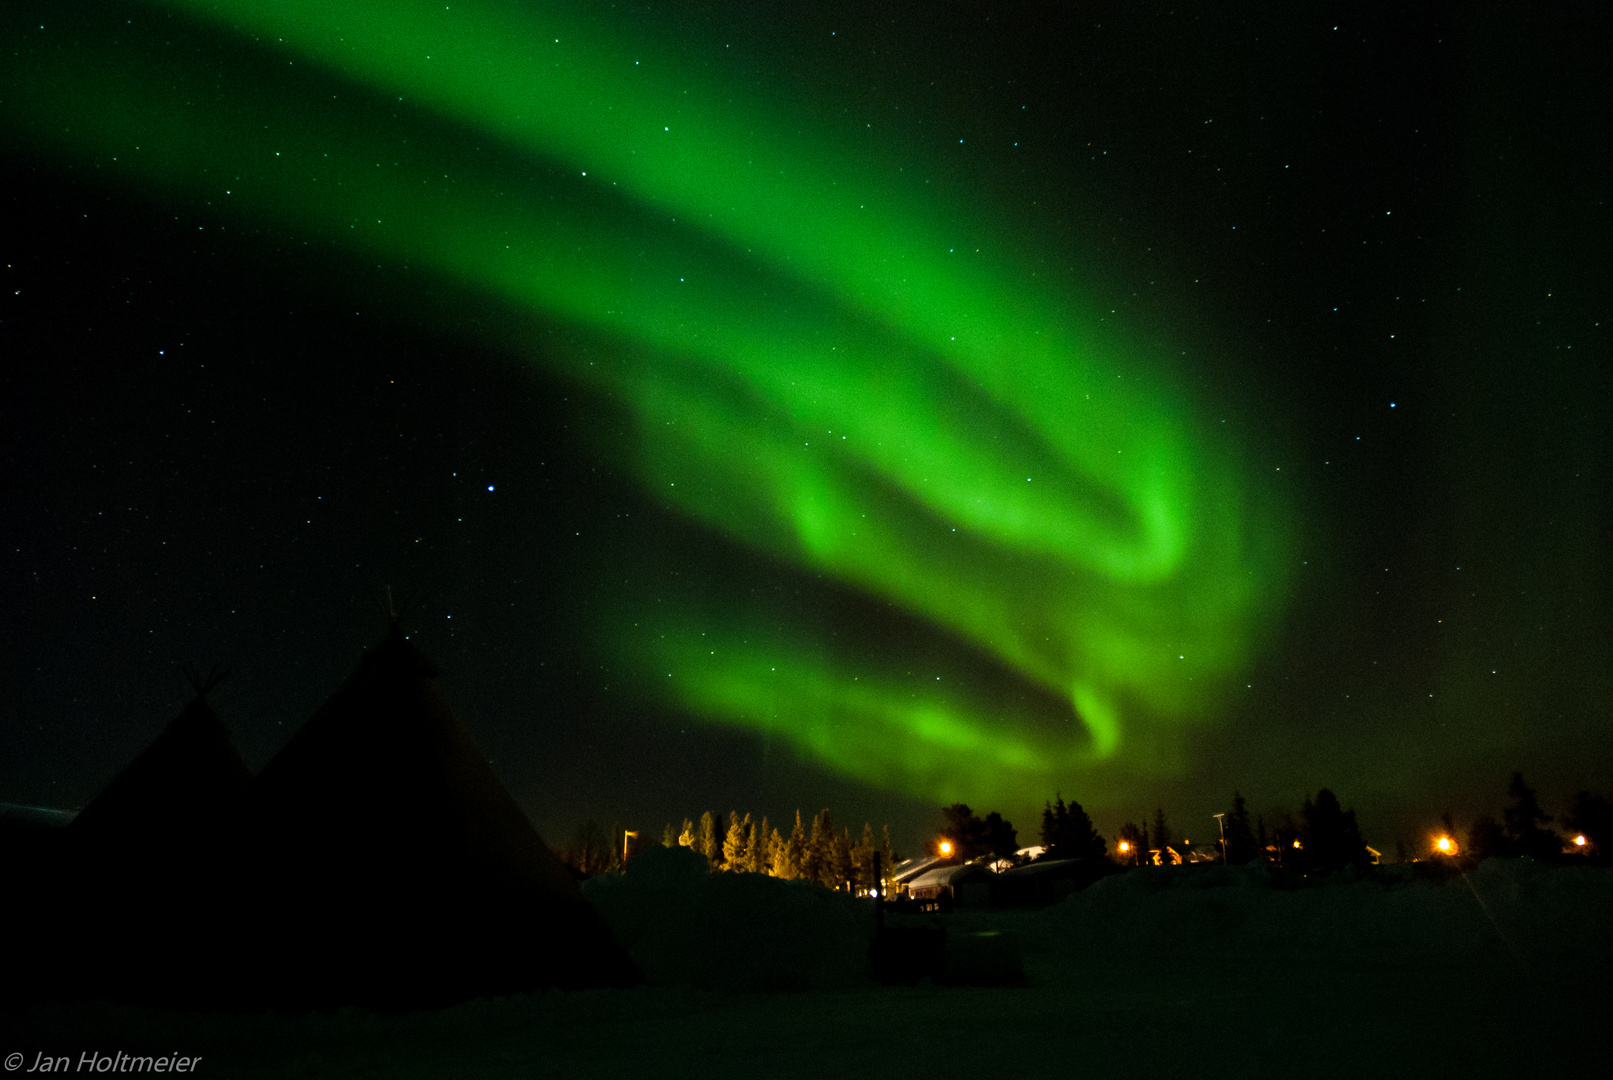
1579, 841
1296, 843
1444, 844
946, 847
1124, 847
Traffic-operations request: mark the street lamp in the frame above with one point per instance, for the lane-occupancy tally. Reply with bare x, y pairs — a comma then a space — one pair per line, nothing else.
1221, 819
1446, 845
946, 848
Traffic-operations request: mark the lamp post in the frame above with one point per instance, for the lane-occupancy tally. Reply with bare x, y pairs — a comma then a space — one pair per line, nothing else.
1221, 819
627, 838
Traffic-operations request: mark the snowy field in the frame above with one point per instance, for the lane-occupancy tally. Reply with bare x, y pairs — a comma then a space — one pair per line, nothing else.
1505, 972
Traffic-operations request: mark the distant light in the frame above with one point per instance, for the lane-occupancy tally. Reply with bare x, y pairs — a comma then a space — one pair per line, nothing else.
1296, 843
946, 847
1444, 844
489, 487
1124, 847
1579, 841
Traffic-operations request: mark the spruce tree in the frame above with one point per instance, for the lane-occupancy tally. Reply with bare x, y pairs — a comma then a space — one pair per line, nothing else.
787, 853
1240, 837
1054, 817
841, 874
669, 836
688, 836
1486, 839
816, 864
1067, 832
1000, 836
1330, 840
753, 843
862, 860
762, 851
709, 843
970, 836
1524, 819
1136, 840
1161, 834
735, 847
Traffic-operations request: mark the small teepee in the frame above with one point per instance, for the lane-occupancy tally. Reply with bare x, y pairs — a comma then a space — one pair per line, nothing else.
148, 868
171, 803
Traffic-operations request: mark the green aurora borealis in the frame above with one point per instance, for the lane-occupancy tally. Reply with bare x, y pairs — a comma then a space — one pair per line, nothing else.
821, 359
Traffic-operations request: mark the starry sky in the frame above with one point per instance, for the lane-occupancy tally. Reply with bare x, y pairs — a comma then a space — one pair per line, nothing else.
869, 406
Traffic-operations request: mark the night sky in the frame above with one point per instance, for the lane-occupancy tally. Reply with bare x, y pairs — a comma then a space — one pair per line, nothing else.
870, 406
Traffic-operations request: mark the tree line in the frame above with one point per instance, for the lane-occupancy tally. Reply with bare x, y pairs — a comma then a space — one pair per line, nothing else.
1322, 837
816, 853
1522, 829
739, 843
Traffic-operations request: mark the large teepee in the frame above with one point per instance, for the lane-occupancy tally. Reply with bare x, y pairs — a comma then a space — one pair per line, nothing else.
393, 869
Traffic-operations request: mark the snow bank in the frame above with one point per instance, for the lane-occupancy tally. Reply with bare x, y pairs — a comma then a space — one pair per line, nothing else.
1511, 906
685, 926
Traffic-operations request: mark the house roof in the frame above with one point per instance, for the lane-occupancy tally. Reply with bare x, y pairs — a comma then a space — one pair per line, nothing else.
951, 875
905, 871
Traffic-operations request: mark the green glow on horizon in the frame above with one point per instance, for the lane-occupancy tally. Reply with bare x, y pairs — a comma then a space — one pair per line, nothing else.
824, 363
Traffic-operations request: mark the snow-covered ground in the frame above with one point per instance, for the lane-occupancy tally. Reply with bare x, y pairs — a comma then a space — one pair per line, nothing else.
1208, 972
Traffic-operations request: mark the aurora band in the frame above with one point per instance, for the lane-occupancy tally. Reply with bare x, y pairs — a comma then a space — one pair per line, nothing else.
824, 362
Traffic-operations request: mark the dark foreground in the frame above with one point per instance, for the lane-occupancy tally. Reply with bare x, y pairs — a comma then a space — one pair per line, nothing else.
1194, 1015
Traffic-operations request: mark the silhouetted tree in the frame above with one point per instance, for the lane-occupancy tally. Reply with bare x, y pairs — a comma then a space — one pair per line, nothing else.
1240, 838
816, 863
669, 836
1136, 840
1330, 838
591, 851
1592, 816
964, 831
841, 872
1160, 836
1286, 838
1067, 832
1523, 819
1486, 839
1001, 836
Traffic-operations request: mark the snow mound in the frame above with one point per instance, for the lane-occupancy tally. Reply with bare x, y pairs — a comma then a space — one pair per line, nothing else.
685, 926
1505, 906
